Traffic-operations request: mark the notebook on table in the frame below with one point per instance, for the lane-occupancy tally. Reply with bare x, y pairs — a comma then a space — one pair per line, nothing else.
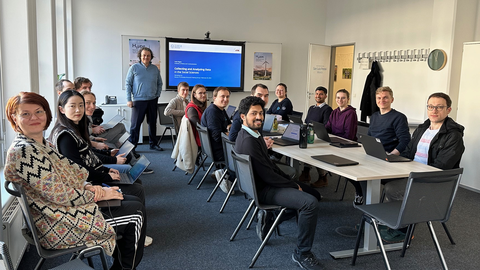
374, 147
113, 122
322, 134
134, 173
291, 136
335, 160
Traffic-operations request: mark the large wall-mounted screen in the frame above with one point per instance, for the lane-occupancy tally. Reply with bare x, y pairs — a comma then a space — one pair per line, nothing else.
209, 62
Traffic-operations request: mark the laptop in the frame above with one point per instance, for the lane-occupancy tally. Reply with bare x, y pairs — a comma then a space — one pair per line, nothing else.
126, 148
297, 119
114, 121
120, 141
335, 160
291, 136
374, 147
267, 126
134, 173
230, 110
322, 134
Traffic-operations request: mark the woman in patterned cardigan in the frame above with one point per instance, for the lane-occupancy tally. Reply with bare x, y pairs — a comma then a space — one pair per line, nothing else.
61, 201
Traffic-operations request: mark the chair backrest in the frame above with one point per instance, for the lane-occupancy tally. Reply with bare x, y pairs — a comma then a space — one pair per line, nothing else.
245, 177
7, 260
297, 113
228, 146
19, 192
429, 196
205, 140
162, 118
362, 128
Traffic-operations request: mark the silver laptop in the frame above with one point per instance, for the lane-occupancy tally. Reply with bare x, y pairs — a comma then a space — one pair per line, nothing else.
374, 147
291, 136
113, 122
126, 148
322, 134
134, 173
268, 124
230, 110
120, 141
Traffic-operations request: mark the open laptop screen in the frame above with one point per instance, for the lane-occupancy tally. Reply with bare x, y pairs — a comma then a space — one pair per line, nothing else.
292, 132
139, 167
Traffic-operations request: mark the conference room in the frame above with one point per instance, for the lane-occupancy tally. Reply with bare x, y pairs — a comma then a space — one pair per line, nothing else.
85, 39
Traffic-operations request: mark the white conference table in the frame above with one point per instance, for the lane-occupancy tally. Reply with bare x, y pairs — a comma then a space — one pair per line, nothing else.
369, 169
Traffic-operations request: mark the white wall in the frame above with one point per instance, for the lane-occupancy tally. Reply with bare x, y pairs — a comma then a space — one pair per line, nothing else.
399, 25
97, 30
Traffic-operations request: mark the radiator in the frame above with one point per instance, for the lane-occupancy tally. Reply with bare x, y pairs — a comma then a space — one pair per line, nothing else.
12, 230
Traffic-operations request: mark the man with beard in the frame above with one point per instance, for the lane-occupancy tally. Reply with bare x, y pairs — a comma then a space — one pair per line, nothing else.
275, 187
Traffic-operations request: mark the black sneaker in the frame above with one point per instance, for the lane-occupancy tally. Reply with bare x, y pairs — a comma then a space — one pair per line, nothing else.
135, 154
264, 223
147, 171
306, 261
156, 147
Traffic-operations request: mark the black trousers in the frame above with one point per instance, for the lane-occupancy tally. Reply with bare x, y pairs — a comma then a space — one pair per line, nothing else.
305, 202
139, 110
136, 189
130, 223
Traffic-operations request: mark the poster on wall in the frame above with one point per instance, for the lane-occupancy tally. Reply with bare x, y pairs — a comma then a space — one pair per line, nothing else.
134, 45
262, 66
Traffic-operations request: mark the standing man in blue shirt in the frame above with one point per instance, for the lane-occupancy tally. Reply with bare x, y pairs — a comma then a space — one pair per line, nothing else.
144, 85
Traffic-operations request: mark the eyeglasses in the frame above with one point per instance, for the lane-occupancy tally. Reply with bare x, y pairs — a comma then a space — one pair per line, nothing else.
28, 116
437, 108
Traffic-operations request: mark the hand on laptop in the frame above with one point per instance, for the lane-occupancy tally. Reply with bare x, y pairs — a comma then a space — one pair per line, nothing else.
113, 152
121, 159
395, 152
114, 174
111, 193
97, 129
100, 139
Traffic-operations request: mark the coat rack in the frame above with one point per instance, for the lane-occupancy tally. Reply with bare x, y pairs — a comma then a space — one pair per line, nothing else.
412, 55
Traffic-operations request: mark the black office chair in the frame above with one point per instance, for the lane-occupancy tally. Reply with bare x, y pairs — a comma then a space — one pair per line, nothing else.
246, 181
207, 152
19, 192
167, 122
228, 146
428, 197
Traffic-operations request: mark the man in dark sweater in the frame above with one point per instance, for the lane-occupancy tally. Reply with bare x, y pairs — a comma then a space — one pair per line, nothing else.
389, 125
319, 112
216, 120
274, 186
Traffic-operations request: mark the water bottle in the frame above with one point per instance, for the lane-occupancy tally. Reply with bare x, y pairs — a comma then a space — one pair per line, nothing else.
311, 136
303, 136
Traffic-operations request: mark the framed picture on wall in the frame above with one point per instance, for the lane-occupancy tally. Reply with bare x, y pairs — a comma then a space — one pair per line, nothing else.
347, 73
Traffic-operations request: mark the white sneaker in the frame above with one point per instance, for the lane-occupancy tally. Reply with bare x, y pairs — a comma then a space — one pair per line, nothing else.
148, 241
223, 185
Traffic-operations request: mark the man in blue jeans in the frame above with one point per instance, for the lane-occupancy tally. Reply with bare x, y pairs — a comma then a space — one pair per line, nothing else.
144, 85
275, 187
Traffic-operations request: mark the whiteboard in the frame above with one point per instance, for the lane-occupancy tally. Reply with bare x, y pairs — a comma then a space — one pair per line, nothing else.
250, 49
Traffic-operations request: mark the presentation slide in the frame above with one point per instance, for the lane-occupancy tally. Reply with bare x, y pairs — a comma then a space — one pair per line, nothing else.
210, 65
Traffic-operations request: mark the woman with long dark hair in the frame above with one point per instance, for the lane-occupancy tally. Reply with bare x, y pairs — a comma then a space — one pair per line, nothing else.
70, 137
61, 201
194, 109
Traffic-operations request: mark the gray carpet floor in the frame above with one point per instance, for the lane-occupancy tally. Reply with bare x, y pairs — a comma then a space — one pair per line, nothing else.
189, 233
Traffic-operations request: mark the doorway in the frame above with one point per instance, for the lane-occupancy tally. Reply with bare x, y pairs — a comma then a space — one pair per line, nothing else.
342, 71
